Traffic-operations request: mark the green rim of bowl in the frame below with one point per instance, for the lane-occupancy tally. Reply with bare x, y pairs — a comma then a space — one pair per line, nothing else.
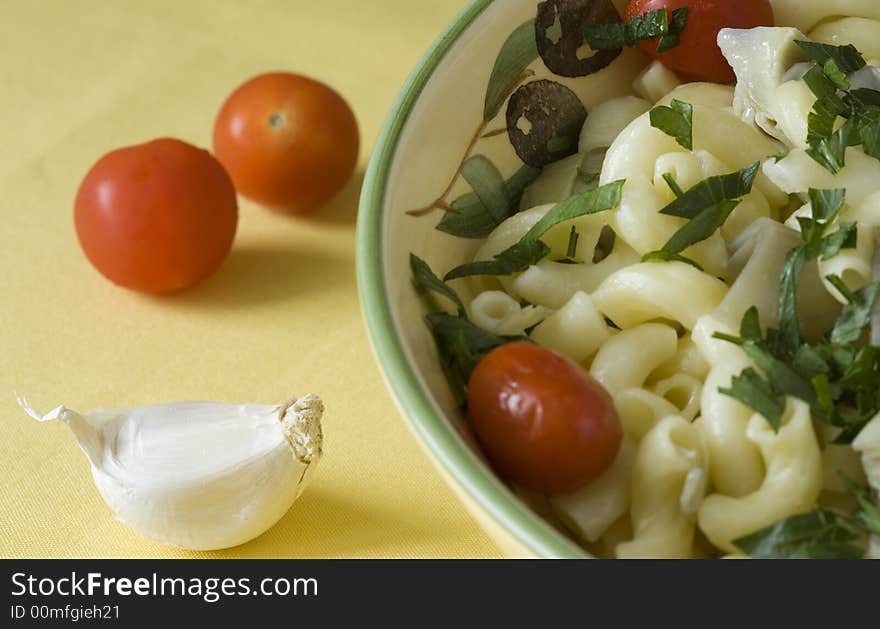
444, 443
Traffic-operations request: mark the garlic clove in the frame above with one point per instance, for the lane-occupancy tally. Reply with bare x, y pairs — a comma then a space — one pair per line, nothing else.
199, 475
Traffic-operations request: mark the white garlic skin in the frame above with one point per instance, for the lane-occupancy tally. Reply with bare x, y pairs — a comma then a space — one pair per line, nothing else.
200, 475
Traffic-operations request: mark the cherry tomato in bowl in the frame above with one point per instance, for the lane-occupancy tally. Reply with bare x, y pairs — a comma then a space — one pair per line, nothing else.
697, 57
287, 141
156, 217
542, 420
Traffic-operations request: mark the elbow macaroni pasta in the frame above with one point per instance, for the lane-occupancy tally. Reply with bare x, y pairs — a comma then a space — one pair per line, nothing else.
629, 357
675, 291
655, 82
735, 464
592, 510
858, 31
669, 481
640, 410
576, 330
791, 484
553, 284
501, 314
806, 15
693, 458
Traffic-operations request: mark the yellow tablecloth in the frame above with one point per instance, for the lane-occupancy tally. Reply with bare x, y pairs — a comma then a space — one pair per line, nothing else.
280, 317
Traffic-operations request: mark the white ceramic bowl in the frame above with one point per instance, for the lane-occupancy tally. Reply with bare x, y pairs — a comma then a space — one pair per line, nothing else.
420, 149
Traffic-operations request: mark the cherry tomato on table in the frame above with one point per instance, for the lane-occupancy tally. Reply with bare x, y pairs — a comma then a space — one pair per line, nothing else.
542, 421
698, 57
156, 217
288, 142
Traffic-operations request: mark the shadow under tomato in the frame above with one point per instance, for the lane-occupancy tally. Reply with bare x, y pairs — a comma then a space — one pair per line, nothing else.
253, 275
342, 209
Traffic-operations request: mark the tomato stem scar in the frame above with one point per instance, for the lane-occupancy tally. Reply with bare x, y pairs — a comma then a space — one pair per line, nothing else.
277, 120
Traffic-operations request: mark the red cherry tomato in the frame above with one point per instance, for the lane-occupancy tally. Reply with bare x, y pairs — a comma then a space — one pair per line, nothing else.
156, 217
542, 421
697, 57
288, 142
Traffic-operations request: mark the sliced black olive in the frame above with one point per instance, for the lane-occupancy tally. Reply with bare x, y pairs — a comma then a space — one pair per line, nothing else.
544, 122
559, 35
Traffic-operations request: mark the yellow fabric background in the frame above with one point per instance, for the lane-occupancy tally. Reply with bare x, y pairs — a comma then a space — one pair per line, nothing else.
280, 317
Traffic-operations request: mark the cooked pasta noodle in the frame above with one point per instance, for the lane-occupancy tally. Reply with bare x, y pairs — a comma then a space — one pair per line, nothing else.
790, 486
674, 291
640, 410
699, 341
858, 31
669, 481
576, 330
628, 358
592, 510
655, 82
499, 313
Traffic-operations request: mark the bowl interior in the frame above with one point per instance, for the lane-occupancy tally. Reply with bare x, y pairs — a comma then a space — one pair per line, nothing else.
435, 118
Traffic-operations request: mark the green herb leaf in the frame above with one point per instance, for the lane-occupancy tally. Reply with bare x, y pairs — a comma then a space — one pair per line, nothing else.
587, 178
729, 338
573, 238
847, 58
488, 184
819, 534
601, 199
530, 250
750, 327
845, 237
826, 207
778, 367
469, 218
425, 280
708, 205
701, 227
618, 35
868, 515
789, 327
517, 53
809, 362
517, 184
676, 28
830, 151
840, 381
649, 25
755, 392
514, 259
825, 145
838, 283
823, 392
668, 256
826, 204
676, 121
824, 89
856, 315
869, 132
673, 185
784, 378
866, 96
827, 79
862, 372
712, 191
837, 76
462, 345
